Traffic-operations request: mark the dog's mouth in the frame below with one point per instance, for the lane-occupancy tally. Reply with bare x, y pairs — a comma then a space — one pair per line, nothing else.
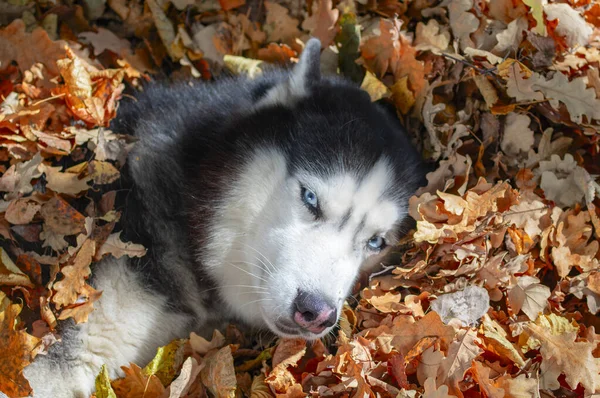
291, 330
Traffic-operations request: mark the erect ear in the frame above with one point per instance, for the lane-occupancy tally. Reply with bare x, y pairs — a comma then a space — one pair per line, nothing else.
305, 73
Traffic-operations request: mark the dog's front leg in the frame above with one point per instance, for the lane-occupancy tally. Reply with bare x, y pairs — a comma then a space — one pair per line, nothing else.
128, 324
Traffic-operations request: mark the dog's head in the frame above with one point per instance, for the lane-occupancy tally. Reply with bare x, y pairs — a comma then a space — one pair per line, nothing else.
320, 194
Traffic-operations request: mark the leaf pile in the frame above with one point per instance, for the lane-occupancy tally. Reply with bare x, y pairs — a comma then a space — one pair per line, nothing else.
496, 291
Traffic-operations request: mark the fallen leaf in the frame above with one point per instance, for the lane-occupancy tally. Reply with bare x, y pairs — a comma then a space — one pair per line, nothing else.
218, 374
116, 247
28, 49
574, 359
529, 295
103, 387
136, 384
17, 348
75, 274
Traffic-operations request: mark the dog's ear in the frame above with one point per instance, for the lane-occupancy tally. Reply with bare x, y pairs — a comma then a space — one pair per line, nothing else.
297, 86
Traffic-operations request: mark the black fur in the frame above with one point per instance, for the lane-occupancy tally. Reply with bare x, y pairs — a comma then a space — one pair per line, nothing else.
195, 137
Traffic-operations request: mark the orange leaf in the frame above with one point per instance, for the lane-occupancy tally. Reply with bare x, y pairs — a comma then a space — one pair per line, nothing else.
136, 384
16, 351
73, 283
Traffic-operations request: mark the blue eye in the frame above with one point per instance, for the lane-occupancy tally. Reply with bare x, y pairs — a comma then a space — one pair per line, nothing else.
376, 243
309, 198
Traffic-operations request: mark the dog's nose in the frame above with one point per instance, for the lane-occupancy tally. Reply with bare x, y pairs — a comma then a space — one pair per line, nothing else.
313, 313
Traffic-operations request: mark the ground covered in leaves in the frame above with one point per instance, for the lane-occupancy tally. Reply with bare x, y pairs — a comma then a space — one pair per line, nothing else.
494, 294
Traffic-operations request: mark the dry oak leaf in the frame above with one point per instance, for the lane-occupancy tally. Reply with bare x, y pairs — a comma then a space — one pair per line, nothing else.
496, 338
519, 387
67, 183
75, 274
188, 374
28, 49
392, 51
61, 218
218, 374
103, 172
461, 214
407, 332
279, 26
575, 95
573, 359
17, 350
10, 274
432, 391
202, 346
17, 179
136, 384
481, 374
529, 295
90, 94
517, 138
287, 353
115, 246
554, 324
382, 53
462, 21
570, 24
21, 211
80, 312
460, 356
432, 37
322, 24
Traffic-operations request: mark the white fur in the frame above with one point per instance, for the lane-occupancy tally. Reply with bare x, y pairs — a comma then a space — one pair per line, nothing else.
127, 325
270, 247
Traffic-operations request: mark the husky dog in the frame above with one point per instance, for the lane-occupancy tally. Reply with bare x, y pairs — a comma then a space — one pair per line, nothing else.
258, 200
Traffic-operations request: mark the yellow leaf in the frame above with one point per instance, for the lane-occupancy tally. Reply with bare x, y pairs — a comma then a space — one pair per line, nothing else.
536, 8
376, 89
403, 97
496, 337
166, 362
103, 172
241, 65
103, 387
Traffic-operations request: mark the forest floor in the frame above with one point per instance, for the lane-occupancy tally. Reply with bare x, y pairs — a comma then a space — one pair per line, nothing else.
496, 291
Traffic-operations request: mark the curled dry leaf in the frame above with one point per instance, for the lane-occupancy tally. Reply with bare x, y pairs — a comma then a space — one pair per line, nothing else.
218, 373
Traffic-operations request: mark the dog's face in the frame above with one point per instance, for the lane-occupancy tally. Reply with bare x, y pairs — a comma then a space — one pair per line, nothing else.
303, 218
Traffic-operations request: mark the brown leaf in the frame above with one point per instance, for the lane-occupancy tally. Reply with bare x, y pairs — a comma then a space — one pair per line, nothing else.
80, 312
573, 358
481, 374
29, 48
218, 374
136, 384
17, 350
103, 172
528, 295
21, 211
322, 24
279, 26
62, 218
461, 353
75, 274
115, 246
10, 274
